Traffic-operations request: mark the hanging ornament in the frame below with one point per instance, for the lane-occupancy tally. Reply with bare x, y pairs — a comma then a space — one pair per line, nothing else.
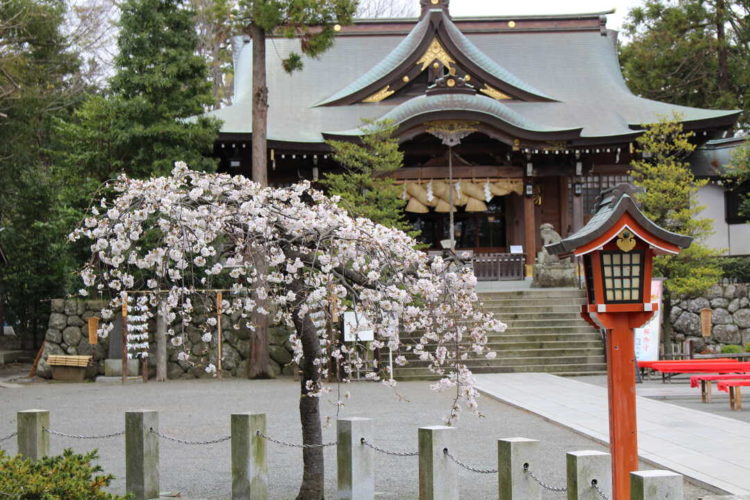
487, 191
430, 194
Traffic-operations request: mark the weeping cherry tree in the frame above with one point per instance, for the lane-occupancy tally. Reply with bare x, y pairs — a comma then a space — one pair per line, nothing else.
171, 236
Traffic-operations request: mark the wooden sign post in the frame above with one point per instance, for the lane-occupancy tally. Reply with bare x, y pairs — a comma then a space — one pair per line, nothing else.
220, 354
706, 321
124, 338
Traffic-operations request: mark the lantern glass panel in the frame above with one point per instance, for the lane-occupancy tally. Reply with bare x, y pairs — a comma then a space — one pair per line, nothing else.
622, 276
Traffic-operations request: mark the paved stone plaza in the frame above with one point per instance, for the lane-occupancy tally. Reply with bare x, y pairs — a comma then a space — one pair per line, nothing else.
199, 410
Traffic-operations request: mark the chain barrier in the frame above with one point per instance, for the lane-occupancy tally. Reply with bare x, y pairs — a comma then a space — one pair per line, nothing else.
468, 467
77, 436
293, 445
12, 434
595, 485
389, 452
542, 483
185, 441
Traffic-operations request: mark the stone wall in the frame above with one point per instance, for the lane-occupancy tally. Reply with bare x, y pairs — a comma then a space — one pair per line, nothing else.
67, 333
730, 306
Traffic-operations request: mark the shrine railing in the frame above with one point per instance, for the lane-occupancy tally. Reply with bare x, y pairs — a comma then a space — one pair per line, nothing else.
497, 266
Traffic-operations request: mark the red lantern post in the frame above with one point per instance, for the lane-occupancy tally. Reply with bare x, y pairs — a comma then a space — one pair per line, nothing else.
618, 246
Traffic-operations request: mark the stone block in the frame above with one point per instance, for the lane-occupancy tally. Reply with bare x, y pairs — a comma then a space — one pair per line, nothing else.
57, 305
72, 335
719, 302
53, 335
730, 291
722, 317
58, 321
142, 454
742, 318
655, 485
734, 305
552, 275
726, 334
231, 358
71, 307
688, 323
174, 371
75, 321
675, 313
695, 305
280, 355
113, 367
715, 291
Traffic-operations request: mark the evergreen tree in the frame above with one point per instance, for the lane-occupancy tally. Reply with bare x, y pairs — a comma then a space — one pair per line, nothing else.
364, 188
39, 81
691, 52
669, 199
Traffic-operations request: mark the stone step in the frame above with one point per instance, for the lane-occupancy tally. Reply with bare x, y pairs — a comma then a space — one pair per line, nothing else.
501, 362
538, 292
534, 329
550, 344
543, 322
513, 315
405, 374
559, 305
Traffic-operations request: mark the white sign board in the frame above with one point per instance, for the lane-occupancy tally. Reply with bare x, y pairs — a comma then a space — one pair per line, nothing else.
356, 327
647, 337
516, 249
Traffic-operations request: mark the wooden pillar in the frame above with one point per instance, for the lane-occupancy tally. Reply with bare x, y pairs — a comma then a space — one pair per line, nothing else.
529, 232
623, 435
564, 210
577, 222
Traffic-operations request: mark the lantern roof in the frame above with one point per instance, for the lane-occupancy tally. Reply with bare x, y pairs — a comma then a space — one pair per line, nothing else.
617, 211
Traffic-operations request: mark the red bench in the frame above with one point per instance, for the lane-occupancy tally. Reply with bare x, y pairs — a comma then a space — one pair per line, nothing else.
735, 395
705, 382
698, 366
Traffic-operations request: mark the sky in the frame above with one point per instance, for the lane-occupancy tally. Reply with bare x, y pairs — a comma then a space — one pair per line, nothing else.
503, 7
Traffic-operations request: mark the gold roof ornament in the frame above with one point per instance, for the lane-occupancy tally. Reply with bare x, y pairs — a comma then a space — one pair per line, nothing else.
380, 94
435, 52
494, 93
626, 240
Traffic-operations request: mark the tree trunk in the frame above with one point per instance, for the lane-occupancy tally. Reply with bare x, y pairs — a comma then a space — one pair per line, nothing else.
259, 360
723, 76
312, 487
260, 106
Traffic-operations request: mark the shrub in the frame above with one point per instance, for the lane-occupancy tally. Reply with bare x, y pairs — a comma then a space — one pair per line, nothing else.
747, 347
731, 349
736, 269
64, 477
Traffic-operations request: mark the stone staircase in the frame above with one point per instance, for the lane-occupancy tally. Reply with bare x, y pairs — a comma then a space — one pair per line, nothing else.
545, 334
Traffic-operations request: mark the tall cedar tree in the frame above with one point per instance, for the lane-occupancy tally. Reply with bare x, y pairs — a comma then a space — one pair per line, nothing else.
161, 82
314, 22
691, 52
39, 80
669, 199
364, 189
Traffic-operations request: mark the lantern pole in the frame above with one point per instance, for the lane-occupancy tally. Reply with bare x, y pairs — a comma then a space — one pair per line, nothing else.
623, 433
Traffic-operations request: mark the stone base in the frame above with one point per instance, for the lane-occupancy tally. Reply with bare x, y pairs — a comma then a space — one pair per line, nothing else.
555, 275
101, 379
113, 367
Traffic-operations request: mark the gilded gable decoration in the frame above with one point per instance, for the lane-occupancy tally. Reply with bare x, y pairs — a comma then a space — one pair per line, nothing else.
436, 52
494, 93
380, 94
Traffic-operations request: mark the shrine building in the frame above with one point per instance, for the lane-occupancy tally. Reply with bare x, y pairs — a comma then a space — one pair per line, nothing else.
527, 118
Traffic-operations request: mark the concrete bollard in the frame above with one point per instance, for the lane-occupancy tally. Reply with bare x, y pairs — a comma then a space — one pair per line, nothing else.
586, 466
354, 460
33, 441
438, 477
249, 464
514, 483
142, 454
655, 485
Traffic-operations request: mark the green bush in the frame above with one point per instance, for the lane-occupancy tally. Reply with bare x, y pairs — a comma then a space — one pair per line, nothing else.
736, 269
64, 477
731, 349
747, 347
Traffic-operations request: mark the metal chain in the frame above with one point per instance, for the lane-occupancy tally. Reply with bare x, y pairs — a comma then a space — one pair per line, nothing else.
542, 483
595, 485
77, 436
8, 436
468, 467
184, 441
293, 445
388, 452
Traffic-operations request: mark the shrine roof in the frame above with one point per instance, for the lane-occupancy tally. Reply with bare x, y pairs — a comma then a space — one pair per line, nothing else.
563, 69
614, 204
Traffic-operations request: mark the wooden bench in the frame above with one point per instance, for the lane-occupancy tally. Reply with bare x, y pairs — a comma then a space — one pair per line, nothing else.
735, 395
68, 367
705, 381
681, 366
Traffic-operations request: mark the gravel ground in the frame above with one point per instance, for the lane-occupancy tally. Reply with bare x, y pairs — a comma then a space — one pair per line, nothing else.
200, 409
